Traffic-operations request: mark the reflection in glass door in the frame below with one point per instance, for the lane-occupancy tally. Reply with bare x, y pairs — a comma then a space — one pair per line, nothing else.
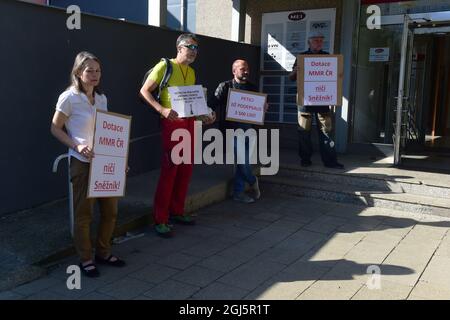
376, 85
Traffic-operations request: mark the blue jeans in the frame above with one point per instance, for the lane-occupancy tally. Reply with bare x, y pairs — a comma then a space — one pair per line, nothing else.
243, 172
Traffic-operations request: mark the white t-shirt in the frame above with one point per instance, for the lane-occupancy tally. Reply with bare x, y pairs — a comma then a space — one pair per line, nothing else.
81, 117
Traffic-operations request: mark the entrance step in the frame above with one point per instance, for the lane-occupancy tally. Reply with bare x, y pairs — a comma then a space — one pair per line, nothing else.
360, 190
370, 181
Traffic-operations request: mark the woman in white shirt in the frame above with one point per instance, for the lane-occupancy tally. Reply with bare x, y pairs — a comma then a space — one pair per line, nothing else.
75, 111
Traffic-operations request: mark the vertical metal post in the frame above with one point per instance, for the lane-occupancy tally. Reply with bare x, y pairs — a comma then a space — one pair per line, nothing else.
183, 15
55, 169
401, 91
71, 212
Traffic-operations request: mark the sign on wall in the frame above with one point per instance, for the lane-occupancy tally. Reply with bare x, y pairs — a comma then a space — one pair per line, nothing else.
107, 174
379, 54
320, 80
285, 35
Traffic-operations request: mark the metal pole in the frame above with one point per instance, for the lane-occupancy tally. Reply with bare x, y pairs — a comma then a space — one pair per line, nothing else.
183, 16
401, 91
55, 169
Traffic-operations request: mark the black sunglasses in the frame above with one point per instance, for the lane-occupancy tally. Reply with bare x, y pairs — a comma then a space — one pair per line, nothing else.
191, 46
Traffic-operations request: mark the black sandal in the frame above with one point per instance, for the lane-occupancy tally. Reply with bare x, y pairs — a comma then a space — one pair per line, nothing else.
117, 263
91, 273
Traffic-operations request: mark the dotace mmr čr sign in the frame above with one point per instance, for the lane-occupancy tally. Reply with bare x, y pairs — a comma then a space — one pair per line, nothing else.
320, 80
107, 174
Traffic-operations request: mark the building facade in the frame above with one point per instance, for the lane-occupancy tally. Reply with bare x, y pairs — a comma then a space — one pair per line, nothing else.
176, 14
380, 61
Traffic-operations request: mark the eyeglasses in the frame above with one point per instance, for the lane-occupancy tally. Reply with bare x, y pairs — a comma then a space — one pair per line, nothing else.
191, 46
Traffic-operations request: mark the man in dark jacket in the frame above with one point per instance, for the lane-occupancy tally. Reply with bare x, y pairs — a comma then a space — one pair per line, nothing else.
322, 115
243, 172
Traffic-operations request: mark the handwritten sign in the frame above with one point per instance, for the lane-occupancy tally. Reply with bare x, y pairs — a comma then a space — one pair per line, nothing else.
320, 80
107, 176
188, 101
246, 106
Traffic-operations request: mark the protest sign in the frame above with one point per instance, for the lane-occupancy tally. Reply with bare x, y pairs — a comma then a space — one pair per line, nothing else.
246, 106
320, 80
188, 101
107, 176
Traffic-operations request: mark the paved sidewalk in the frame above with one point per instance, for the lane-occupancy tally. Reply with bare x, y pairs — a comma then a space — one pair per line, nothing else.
278, 248
31, 237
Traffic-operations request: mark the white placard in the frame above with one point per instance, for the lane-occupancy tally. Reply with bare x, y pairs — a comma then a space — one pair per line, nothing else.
188, 101
320, 80
379, 54
321, 69
320, 94
107, 177
246, 106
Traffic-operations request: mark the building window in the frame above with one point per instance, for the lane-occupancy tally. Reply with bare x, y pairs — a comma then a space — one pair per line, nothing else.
179, 10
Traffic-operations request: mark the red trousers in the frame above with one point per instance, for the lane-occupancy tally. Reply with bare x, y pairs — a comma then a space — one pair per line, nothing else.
174, 179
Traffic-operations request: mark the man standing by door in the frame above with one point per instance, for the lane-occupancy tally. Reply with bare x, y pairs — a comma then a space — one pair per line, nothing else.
322, 115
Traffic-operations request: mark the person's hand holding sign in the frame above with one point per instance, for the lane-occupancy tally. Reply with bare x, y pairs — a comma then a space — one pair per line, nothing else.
85, 151
169, 114
210, 119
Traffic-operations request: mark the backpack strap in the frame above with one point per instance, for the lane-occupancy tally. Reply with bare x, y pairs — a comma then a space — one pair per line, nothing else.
166, 76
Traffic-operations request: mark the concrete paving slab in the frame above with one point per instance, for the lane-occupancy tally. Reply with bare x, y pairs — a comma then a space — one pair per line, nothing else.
331, 290
198, 276
424, 290
88, 285
171, 290
153, 273
47, 295
387, 291
280, 287
96, 296
436, 272
179, 261
10, 295
246, 278
126, 288
37, 286
219, 263
220, 291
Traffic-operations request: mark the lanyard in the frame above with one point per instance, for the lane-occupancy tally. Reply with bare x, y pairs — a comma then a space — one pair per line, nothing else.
184, 75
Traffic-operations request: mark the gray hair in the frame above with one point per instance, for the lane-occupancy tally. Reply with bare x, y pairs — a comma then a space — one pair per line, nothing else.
186, 36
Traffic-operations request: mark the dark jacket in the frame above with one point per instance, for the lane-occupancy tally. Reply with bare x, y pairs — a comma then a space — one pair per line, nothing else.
320, 109
219, 103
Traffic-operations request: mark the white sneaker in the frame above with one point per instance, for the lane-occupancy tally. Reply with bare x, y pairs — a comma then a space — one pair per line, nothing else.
243, 198
255, 189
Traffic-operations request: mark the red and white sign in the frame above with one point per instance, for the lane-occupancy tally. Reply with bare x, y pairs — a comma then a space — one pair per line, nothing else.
107, 176
246, 106
320, 80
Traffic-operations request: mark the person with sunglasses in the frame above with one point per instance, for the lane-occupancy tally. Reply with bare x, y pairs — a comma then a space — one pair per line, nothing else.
171, 192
